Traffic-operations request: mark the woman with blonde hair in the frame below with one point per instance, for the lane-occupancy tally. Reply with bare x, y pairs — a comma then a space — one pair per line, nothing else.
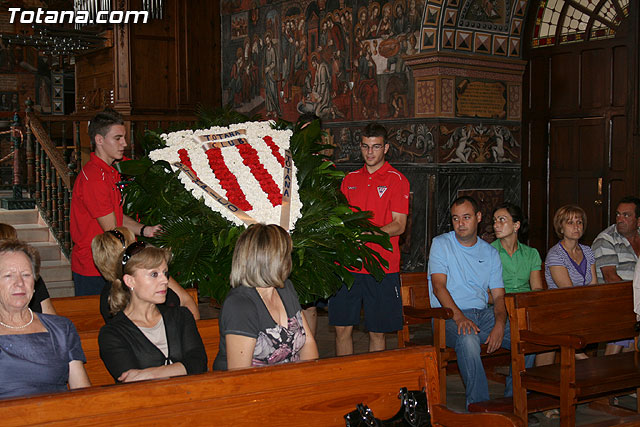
261, 322
146, 339
106, 249
570, 263
41, 301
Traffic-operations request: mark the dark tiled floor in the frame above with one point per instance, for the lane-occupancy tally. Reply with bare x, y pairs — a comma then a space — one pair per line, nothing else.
325, 337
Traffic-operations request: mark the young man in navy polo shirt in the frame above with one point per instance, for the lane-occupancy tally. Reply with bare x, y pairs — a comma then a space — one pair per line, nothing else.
384, 191
96, 203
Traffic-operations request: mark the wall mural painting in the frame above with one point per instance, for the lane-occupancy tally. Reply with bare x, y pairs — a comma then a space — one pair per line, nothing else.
478, 143
411, 143
340, 61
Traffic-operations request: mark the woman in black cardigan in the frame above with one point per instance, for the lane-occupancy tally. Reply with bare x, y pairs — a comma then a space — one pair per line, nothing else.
144, 340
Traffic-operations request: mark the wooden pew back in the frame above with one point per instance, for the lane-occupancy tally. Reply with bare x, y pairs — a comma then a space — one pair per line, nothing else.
314, 393
563, 312
569, 319
98, 373
84, 311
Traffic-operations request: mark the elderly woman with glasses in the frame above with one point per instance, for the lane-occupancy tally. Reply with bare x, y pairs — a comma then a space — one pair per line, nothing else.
146, 339
261, 322
106, 248
39, 353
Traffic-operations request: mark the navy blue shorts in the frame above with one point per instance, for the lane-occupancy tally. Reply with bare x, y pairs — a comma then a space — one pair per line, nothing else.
381, 300
88, 285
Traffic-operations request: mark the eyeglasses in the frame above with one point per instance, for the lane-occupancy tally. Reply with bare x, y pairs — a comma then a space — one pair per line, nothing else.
131, 250
374, 147
120, 237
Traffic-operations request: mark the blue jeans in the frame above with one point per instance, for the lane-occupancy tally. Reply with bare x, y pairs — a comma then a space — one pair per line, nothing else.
467, 349
529, 361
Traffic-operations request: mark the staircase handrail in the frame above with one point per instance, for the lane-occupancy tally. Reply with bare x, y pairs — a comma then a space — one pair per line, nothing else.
55, 156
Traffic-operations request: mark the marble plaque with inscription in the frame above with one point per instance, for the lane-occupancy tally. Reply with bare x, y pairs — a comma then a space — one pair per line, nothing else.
480, 98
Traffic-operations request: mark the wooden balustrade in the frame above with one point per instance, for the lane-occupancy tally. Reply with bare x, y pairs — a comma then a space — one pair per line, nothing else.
53, 154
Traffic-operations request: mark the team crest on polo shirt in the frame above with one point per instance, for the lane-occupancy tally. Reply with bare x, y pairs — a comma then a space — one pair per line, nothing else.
381, 190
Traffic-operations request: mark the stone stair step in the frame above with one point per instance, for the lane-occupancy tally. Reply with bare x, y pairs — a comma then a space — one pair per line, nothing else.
20, 216
60, 289
31, 233
48, 251
55, 271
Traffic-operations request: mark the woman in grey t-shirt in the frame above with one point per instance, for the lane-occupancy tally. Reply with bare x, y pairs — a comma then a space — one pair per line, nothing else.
261, 322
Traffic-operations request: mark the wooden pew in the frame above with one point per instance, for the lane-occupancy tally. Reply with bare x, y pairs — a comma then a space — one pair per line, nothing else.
570, 319
98, 374
84, 311
315, 393
416, 309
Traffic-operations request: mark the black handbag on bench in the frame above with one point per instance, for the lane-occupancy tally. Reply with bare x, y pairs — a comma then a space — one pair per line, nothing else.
414, 412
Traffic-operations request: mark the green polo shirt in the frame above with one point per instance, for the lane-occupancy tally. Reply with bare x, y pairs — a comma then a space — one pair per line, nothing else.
517, 269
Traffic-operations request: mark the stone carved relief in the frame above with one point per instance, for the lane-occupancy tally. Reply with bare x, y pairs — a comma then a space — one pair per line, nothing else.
479, 144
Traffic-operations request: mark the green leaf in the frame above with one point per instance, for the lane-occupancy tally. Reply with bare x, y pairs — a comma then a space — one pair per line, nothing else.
134, 167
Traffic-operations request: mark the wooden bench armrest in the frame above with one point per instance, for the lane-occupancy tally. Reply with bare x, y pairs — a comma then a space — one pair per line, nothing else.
427, 313
573, 341
447, 417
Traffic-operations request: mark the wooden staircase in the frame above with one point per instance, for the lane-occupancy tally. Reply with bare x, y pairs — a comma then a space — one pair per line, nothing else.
55, 267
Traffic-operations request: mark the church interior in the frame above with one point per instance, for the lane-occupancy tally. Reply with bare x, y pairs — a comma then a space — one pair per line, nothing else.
530, 102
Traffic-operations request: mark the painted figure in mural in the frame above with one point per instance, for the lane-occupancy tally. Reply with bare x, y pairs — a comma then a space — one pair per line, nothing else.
501, 135
384, 28
301, 75
321, 94
401, 22
414, 15
235, 84
366, 89
288, 52
374, 18
272, 103
363, 16
461, 136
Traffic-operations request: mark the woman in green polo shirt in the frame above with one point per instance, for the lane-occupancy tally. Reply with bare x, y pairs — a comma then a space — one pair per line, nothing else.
520, 263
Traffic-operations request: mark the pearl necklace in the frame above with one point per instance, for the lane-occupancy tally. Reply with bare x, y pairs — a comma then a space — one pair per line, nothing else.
19, 327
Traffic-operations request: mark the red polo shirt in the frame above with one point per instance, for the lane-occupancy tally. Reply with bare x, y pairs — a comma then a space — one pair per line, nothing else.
95, 194
382, 192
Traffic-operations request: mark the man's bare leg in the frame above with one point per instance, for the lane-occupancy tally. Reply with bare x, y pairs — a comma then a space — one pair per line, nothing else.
311, 314
344, 340
377, 341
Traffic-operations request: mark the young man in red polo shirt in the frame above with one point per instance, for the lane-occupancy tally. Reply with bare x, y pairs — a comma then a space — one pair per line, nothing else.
381, 189
96, 203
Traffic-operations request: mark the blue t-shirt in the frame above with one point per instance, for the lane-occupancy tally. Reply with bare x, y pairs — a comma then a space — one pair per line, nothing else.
470, 271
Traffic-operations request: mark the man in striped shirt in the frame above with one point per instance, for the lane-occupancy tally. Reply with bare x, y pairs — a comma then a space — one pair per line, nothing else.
617, 247
616, 250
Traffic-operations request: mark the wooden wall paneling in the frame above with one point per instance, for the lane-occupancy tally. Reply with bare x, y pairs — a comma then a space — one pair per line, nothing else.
565, 74
538, 79
594, 78
93, 73
153, 62
620, 80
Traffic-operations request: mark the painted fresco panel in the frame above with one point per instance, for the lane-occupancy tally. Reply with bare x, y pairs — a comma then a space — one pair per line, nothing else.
340, 61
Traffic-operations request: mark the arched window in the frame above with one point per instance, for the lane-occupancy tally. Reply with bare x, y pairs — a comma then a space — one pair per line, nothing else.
570, 21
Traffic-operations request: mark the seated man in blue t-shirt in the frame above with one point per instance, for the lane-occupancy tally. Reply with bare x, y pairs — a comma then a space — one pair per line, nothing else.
462, 267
